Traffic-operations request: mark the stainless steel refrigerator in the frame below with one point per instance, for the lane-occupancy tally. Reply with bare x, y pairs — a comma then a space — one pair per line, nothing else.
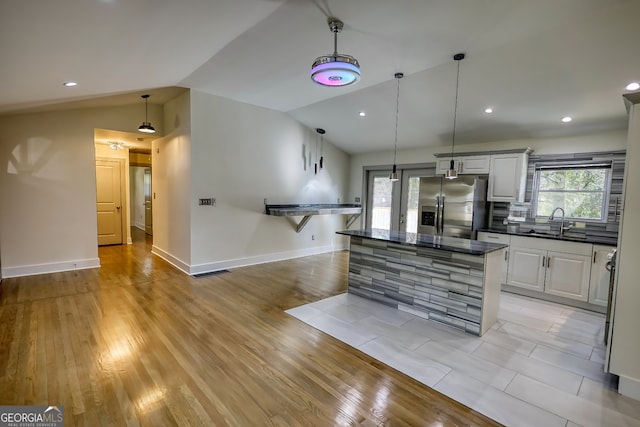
452, 207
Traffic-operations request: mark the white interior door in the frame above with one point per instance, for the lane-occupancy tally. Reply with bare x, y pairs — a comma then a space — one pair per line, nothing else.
109, 201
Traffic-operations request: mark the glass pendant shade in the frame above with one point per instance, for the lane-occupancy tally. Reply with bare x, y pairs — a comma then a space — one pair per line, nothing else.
452, 173
393, 176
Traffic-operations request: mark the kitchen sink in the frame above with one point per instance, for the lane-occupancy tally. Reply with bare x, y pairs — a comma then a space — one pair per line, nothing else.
567, 236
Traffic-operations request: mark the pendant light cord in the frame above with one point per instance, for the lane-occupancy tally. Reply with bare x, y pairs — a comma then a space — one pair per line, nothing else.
455, 109
395, 147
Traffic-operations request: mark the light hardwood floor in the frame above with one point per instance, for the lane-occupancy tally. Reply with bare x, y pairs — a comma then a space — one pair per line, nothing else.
136, 342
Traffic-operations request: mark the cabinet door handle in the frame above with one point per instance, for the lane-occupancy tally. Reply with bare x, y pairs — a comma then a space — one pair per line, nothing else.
548, 262
543, 257
594, 257
506, 255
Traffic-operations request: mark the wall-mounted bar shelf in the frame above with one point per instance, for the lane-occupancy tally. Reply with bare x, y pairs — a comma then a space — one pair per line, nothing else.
309, 210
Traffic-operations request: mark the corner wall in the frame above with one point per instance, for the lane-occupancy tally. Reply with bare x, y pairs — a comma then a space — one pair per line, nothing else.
171, 185
624, 359
242, 154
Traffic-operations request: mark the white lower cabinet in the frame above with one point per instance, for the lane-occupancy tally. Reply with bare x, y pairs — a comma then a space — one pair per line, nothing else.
498, 238
555, 267
599, 283
567, 275
526, 268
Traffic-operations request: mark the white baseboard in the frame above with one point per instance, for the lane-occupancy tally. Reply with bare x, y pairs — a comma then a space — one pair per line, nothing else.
261, 259
176, 262
54, 267
629, 387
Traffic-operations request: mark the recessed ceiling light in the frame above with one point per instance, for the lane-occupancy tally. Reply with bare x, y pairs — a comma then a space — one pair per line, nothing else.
488, 110
362, 114
69, 84
566, 119
633, 86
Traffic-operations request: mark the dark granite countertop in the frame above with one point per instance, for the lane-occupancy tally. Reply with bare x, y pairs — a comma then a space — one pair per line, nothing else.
451, 244
569, 237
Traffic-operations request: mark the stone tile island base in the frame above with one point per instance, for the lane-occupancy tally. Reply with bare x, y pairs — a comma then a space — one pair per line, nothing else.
453, 288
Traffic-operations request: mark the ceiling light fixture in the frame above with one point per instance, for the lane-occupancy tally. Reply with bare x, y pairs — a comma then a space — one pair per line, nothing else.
362, 114
116, 145
633, 86
146, 127
566, 119
394, 175
452, 173
336, 69
69, 84
488, 110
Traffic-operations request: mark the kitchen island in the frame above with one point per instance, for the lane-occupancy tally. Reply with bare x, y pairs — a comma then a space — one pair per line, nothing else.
446, 279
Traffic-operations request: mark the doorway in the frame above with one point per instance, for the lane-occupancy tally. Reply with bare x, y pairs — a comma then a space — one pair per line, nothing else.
109, 200
394, 206
140, 190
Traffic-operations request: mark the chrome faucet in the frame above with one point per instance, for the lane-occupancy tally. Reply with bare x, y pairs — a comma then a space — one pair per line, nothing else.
561, 223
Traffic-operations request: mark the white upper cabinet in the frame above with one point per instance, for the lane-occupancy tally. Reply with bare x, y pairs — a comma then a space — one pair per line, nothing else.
464, 165
507, 177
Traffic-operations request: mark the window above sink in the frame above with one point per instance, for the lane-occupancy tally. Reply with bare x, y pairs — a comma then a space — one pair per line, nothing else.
582, 190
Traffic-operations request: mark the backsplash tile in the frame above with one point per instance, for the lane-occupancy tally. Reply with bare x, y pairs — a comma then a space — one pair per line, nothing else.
517, 211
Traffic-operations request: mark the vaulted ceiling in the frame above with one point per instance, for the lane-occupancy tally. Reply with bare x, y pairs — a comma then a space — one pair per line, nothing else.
533, 62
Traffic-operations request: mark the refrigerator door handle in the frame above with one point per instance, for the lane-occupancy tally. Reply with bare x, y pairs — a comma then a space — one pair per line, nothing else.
437, 223
442, 203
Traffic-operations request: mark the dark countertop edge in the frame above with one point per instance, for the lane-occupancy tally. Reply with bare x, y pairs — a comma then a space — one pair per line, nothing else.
588, 240
313, 209
476, 247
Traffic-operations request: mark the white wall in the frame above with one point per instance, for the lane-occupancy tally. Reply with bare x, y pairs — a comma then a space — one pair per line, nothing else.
625, 338
242, 154
614, 140
171, 187
47, 186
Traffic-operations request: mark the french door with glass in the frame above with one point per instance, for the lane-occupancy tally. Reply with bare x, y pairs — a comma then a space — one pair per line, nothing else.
394, 206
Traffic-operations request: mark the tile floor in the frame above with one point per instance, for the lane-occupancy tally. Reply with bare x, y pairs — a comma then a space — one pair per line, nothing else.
540, 365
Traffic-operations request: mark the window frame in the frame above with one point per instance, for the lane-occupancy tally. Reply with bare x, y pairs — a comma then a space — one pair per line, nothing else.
606, 193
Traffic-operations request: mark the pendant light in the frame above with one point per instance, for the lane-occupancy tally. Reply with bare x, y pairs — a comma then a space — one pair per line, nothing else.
321, 132
452, 173
146, 127
336, 69
394, 175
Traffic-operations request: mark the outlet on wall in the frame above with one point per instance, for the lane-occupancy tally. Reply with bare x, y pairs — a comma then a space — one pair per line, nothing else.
313, 237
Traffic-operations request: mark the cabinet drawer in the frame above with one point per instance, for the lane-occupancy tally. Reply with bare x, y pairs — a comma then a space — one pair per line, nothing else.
552, 245
494, 237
